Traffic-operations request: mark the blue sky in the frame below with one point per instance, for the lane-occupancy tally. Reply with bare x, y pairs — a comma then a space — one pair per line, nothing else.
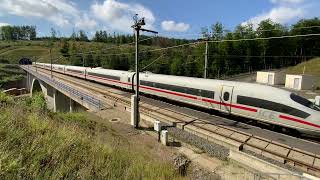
180, 18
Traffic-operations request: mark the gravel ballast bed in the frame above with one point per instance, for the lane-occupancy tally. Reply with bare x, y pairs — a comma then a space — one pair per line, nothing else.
212, 149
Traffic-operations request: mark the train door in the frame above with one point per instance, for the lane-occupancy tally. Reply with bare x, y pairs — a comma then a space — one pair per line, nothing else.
296, 83
270, 78
133, 82
129, 81
226, 98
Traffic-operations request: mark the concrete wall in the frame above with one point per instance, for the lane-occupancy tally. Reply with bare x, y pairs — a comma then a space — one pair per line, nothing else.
305, 82
277, 78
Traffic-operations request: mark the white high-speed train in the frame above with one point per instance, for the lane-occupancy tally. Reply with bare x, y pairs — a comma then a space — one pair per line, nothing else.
260, 102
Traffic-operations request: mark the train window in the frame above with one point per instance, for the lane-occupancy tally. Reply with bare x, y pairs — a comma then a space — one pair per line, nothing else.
179, 89
273, 106
146, 83
77, 71
304, 102
192, 91
105, 76
207, 94
226, 96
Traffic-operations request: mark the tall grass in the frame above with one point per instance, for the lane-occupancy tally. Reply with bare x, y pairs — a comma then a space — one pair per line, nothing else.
36, 144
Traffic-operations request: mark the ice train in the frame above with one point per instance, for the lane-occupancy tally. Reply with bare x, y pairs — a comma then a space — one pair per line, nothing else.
254, 101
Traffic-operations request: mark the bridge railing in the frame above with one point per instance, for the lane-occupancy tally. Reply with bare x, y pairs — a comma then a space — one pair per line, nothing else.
72, 91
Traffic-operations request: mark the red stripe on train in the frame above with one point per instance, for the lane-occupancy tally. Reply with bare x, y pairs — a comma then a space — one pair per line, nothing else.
298, 121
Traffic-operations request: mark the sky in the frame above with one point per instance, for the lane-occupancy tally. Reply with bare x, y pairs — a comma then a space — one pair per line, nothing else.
173, 18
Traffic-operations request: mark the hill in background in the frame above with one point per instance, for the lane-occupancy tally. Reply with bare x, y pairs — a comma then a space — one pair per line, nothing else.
311, 67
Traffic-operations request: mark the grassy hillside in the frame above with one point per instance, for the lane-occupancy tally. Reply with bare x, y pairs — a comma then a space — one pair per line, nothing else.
36, 144
12, 51
312, 67
10, 73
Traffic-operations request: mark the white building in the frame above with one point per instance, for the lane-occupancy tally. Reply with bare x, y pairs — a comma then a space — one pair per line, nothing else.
299, 82
317, 100
271, 77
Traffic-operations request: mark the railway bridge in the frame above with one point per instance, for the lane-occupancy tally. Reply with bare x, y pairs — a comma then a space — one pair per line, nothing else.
59, 95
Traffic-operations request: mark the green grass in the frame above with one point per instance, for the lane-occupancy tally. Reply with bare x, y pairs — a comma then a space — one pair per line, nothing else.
312, 67
36, 144
10, 73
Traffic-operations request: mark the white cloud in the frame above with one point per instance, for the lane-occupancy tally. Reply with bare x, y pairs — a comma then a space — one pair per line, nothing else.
118, 15
283, 11
287, 1
60, 12
173, 26
86, 23
4, 24
279, 14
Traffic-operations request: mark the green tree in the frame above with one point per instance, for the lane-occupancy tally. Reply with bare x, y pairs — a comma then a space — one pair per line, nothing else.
64, 47
89, 62
97, 60
83, 36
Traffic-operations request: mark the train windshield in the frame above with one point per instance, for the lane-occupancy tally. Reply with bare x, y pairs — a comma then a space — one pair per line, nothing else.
304, 102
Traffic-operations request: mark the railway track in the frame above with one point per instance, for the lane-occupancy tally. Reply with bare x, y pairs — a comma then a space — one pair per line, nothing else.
204, 127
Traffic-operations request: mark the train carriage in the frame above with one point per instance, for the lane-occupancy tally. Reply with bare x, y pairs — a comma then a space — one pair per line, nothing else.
117, 78
254, 101
75, 71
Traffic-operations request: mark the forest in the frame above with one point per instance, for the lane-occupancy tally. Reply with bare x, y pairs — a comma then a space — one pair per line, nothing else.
10, 33
244, 49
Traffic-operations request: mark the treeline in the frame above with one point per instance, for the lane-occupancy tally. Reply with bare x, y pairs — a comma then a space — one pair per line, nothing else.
228, 52
104, 36
10, 33
233, 55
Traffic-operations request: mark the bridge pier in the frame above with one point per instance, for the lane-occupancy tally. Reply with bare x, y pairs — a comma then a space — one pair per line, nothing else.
63, 103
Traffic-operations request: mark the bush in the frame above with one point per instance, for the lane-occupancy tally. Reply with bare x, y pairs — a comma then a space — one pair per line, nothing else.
4, 98
38, 102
